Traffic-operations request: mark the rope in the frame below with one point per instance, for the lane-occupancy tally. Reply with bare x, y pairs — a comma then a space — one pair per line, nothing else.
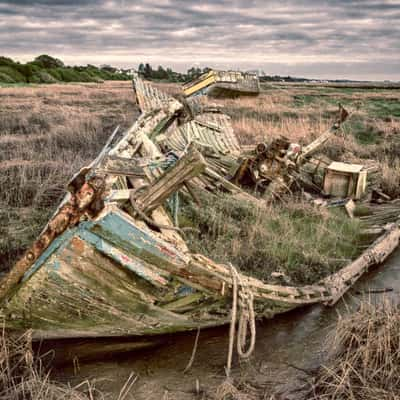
246, 320
196, 342
233, 319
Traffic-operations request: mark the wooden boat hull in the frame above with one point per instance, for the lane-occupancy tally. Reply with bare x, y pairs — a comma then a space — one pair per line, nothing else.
223, 84
232, 90
109, 277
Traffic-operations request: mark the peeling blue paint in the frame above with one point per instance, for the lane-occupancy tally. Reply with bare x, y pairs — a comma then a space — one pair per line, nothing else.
56, 245
56, 265
185, 291
114, 235
126, 236
133, 265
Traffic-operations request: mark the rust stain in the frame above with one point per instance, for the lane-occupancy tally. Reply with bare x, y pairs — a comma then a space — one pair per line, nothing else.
77, 245
86, 199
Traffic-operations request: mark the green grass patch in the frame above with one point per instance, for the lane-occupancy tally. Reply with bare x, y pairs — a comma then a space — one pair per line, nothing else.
384, 107
364, 131
305, 100
303, 242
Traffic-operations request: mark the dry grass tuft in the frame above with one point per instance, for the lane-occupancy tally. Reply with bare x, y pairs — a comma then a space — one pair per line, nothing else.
229, 390
26, 376
22, 377
391, 177
366, 361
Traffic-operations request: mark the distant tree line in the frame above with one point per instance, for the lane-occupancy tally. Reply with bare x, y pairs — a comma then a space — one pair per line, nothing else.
47, 69
168, 75
278, 78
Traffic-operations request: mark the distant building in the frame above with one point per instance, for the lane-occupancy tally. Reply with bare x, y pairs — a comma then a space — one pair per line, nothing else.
257, 72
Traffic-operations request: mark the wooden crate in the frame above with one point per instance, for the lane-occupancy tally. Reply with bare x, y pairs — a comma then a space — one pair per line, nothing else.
345, 180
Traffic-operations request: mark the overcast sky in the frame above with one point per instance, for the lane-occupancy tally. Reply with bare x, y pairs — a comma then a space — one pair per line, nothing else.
312, 38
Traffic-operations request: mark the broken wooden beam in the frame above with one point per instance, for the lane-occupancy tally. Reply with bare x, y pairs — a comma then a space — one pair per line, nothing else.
343, 280
312, 147
186, 168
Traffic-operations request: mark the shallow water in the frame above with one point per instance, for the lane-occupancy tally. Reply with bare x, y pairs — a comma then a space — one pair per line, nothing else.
285, 345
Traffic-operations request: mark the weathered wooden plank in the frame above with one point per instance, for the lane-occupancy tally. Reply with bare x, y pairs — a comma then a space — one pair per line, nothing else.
342, 280
312, 147
134, 264
119, 229
161, 216
80, 290
150, 98
118, 195
187, 167
66, 216
218, 277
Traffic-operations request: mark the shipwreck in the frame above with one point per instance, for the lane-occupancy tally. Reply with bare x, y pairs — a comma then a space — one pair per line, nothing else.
112, 260
223, 84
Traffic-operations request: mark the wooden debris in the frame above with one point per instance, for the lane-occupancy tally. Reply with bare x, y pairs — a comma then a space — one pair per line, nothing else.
223, 84
187, 167
345, 180
374, 291
350, 207
377, 196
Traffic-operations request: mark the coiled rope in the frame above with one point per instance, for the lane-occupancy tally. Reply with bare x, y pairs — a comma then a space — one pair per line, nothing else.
242, 296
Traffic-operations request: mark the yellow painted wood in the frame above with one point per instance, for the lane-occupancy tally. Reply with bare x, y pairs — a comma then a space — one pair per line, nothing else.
200, 85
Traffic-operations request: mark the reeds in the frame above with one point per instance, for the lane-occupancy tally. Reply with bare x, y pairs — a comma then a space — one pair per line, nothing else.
25, 375
22, 377
365, 363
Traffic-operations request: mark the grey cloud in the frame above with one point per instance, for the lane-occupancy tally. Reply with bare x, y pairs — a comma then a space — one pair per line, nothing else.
50, 3
305, 36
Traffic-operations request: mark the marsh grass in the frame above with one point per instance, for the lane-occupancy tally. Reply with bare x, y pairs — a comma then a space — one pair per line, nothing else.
47, 133
25, 377
298, 239
365, 356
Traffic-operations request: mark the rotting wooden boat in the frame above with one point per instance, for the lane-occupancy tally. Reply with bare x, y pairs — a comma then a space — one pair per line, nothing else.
223, 84
111, 262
